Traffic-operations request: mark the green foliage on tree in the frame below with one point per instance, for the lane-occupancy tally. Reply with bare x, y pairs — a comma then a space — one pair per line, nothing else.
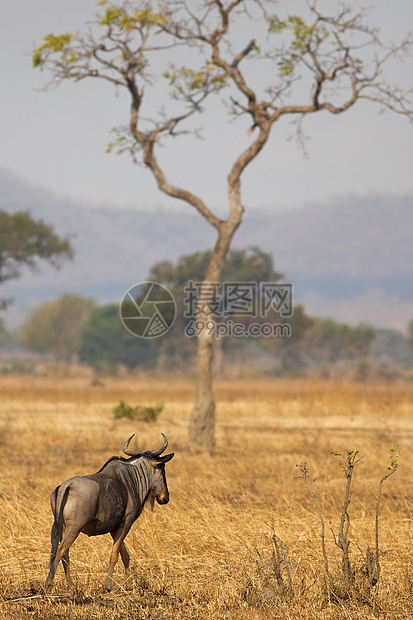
3, 333
319, 343
55, 326
329, 341
25, 241
248, 265
410, 333
290, 351
242, 265
104, 343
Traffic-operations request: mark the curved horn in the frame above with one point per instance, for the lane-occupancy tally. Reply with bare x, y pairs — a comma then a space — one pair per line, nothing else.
125, 447
159, 452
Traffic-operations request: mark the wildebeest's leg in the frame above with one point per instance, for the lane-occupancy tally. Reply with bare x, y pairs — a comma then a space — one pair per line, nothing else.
118, 546
125, 556
66, 566
69, 537
125, 559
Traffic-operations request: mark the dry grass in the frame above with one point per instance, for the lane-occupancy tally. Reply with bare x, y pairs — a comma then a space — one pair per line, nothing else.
208, 553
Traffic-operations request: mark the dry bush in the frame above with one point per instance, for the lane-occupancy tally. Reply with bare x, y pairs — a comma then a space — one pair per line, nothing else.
210, 552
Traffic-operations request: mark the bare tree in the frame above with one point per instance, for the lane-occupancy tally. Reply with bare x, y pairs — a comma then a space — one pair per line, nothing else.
326, 63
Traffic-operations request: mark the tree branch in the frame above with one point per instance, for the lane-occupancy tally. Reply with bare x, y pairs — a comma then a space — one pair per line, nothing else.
173, 191
243, 54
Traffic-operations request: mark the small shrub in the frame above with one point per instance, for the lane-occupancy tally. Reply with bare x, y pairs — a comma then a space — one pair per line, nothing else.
97, 383
144, 414
18, 367
371, 568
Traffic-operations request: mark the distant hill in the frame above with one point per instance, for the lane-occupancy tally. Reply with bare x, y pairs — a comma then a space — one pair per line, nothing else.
350, 259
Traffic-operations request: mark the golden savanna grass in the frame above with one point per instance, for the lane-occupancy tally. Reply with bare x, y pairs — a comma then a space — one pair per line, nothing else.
209, 552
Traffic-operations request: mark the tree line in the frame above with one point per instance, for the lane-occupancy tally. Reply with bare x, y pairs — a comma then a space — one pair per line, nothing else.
73, 327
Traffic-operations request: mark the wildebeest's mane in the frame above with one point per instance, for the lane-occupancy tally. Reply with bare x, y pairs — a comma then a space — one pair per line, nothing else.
119, 458
112, 458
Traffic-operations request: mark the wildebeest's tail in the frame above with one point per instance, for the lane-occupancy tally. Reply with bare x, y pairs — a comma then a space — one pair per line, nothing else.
57, 528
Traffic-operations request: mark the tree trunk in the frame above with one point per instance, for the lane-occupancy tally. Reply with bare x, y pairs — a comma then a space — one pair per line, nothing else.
218, 361
202, 420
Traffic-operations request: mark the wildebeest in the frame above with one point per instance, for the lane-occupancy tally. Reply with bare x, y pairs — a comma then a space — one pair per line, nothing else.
108, 501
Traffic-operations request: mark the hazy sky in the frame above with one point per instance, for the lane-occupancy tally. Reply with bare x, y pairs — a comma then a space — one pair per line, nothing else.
56, 139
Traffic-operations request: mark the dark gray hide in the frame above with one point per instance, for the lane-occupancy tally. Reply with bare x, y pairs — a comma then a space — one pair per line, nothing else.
106, 502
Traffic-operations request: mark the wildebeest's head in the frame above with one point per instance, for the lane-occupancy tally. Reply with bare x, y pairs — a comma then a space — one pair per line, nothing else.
158, 487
